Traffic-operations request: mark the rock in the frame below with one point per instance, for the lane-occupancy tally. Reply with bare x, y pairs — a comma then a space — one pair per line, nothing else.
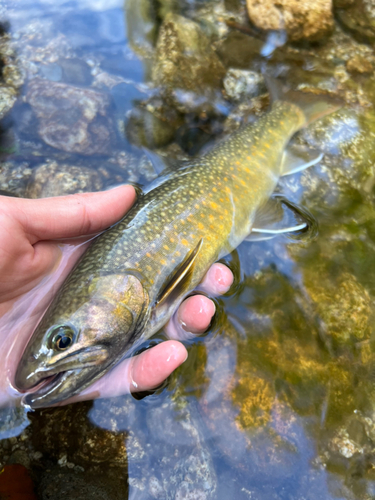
168, 457
61, 484
343, 3
12, 422
51, 72
344, 306
358, 64
124, 167
309, 20
70, 118
359, 17
14, 177
184, 57
75, 71
56, 179
66, 435
7, 99
238, 50
152, 124
11, 77
141, 26
242, 84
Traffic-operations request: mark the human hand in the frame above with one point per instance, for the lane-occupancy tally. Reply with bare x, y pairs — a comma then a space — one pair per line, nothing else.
29, 258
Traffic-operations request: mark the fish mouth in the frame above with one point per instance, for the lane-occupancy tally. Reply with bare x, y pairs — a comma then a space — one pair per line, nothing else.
38, 398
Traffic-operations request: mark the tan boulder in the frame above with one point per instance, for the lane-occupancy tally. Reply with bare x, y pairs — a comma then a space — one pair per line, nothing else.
303, 20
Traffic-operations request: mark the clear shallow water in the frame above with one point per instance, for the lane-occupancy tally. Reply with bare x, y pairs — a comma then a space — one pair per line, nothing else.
276, 401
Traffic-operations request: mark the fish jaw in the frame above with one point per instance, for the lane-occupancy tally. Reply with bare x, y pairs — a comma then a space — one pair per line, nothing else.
60, 387
53, 382
31, 374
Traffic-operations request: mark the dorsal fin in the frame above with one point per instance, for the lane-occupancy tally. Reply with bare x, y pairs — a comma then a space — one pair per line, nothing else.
179, 280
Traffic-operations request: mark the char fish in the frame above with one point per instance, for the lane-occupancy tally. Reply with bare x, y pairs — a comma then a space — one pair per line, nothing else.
134, 275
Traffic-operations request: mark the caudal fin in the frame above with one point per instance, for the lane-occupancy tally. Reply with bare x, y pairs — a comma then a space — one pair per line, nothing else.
313, 106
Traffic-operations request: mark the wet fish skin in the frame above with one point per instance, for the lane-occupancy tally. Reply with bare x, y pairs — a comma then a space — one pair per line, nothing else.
112, 298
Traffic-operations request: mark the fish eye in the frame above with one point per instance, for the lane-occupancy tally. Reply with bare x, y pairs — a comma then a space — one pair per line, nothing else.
61, 337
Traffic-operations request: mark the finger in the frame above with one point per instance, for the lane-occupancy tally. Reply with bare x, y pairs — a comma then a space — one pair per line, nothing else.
141, 373
217, 280
195, 313
70, 216
153, 366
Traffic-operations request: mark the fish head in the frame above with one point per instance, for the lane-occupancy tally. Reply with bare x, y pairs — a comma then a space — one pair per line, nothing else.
69, 351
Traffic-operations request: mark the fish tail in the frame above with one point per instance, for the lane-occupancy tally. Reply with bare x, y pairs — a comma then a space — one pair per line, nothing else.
313, 106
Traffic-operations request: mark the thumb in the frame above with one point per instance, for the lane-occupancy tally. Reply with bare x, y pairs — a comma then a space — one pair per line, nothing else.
69, 216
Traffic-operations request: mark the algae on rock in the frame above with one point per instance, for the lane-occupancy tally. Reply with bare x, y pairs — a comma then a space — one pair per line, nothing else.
184, 57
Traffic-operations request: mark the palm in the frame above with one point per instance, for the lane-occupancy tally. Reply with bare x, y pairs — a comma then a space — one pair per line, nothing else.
27, 257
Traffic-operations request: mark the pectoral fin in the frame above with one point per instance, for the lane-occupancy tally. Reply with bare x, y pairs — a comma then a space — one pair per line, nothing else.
179, 281
280, 216
297, 158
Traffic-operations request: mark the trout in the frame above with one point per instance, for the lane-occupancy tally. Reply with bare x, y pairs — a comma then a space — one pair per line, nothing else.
134, 275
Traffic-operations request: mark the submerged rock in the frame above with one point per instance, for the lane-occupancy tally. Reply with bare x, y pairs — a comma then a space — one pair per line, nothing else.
238, 50
66, 435
14, 177
152, 124
56, 179
359, 64
64, 484
343, 305
8, 97
70, 118
358, 16
11, 78
141, 26
168, 457
242, 84
185, 58
303, 20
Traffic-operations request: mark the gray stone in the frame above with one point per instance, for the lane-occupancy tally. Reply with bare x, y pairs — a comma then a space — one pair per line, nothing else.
70, 118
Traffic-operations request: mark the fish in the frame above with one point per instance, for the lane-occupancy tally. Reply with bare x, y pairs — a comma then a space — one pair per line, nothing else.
133, 276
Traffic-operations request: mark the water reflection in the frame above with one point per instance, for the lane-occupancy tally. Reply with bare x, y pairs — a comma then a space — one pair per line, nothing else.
277, 400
